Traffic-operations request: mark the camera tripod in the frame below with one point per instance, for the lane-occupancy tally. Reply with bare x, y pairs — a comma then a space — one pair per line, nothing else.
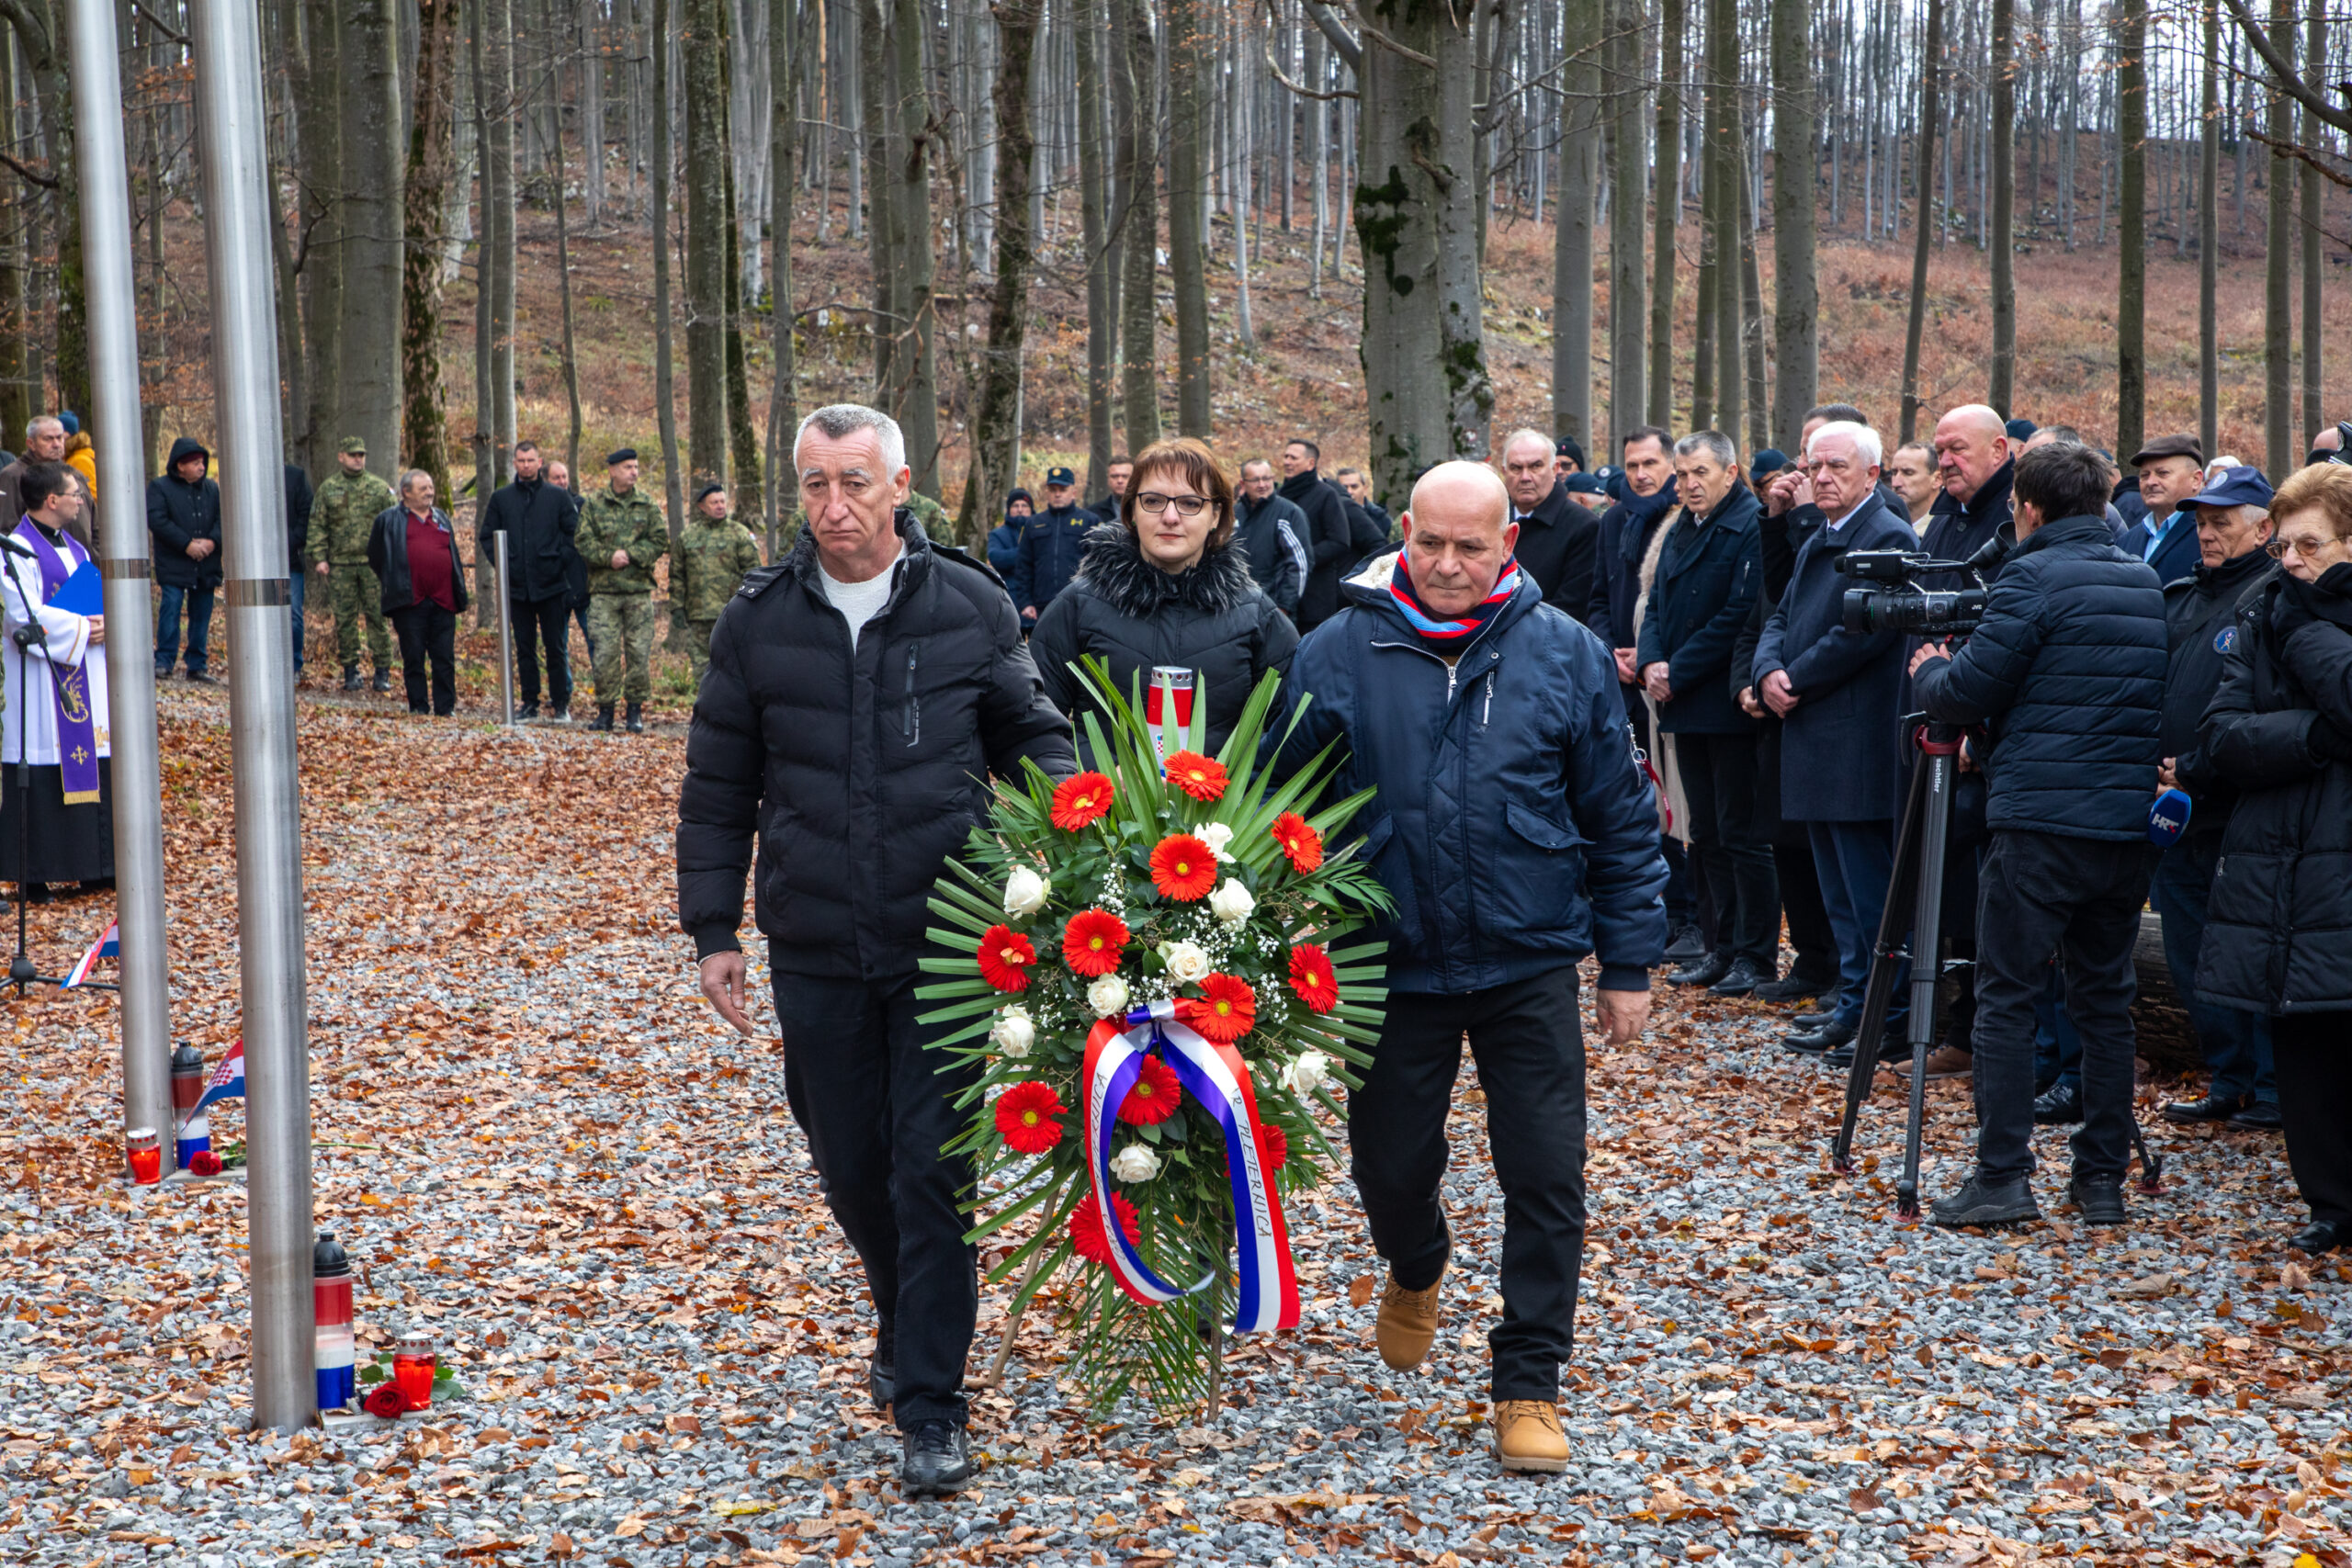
1918, 883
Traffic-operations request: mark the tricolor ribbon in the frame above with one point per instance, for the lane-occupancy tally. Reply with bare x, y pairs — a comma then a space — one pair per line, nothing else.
1216, 1077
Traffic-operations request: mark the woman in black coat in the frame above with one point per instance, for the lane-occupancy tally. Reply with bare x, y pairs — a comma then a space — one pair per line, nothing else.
1159, 588
2281, 729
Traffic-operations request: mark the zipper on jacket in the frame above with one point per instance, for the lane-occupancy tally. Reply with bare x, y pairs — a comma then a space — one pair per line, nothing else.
911, 712
1489, 711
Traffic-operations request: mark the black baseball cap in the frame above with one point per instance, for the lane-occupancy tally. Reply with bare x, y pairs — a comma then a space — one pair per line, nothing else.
1060, 477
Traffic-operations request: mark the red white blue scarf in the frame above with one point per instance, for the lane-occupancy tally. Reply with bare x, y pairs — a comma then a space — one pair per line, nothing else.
1451, 631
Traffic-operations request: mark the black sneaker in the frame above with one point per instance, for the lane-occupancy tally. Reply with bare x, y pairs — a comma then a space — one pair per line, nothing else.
2061, 1107
939, 1458
2099, 1198
529, 710
1741, 980
1706, 971
1983, 1202
1796, 985
2258, 1116
1686, 946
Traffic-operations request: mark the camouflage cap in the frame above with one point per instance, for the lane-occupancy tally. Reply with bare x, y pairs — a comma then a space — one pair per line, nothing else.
356, 445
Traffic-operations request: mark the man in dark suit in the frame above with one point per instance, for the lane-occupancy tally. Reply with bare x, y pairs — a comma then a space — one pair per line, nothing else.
1559, 542
1835, 690
2172, 468
1709, 572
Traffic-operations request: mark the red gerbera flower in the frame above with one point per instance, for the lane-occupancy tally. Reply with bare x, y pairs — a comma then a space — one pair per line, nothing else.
1183, 868
1226, 1009
1086, 1228
1155, 1095
1301, 842
1311, 977
1024, 1114
1092, 941
1273, 1149
1079, 799
1201, 777
1005, 959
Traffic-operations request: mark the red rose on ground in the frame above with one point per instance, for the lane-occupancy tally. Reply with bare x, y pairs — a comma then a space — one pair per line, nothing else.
1201, 777
1005, 959
1079, 799
387, 1401
1024, 1114
1226, 1009
1086, 1228
1092, 942
204, 1162
1311, 977
1301, 842
1153, 1096
1183, 868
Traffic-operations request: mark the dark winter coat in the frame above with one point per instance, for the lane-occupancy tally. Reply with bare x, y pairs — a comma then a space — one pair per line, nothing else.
1330, 545
298, 519
1708, 575
1272, 535
2200, 624
388, 558
2128, 502
541, 521
2175, 558
1051, 543
179, 514
857, 772
1211, 619
1004, 546
1366, 537
2067, 675
1559, 547
1625, 532
1511, 826
1957, 530
1840, 752
2279, 731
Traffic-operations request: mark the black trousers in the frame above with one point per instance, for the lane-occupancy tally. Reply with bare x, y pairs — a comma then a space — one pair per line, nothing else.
2314, 1066
2040, 894
876, 1113
1530, 1050
1810, 935
543, 623
1734, 859
428, 631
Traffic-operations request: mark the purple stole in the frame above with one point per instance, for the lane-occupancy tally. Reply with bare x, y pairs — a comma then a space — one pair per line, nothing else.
77, 748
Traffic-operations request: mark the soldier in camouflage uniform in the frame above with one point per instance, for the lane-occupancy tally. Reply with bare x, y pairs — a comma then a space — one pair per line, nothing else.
345, 509
621, 536
714, 555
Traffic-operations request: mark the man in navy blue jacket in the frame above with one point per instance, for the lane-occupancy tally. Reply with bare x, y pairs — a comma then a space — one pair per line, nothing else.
2066, 675
1515, 835
1051, 543
2172, 470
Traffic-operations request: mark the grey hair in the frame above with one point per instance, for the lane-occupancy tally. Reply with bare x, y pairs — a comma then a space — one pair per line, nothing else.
1525, 433
837, 421
41, 423
2243, 511
409, 477
1714, 443
1867, 445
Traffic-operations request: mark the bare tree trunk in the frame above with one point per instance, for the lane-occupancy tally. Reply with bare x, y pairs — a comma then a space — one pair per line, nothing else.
1757, 406
318, 186
2314, 193
742, 436
783, 147
996, 422
2132, 232
1667, 214
1796, 294
665, 405
499, 202
2209, 240
425, 198
879, 155
1102, 330
1628, 214
1581, 22
1139, 226
485, 439
2278, 252
592, 115
1724, 177
704, 45
16, 397
374, 226
2002, 391
1925, 146
1188, 42
564, 281
915, 391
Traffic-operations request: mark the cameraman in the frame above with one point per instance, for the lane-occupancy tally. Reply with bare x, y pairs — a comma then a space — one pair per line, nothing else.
2067, 673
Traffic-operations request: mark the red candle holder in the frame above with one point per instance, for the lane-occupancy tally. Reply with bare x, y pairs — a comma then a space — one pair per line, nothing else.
414, 1362
145, 1152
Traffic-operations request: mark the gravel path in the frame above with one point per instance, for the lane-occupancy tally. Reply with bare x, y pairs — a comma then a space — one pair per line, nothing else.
594, 1196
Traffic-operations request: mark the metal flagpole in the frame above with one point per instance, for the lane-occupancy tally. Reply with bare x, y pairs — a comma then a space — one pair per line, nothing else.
505, 638
122, 552
230, 102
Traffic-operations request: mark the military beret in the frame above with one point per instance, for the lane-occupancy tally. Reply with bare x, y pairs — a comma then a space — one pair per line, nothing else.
355, 444
709, 488
620, 455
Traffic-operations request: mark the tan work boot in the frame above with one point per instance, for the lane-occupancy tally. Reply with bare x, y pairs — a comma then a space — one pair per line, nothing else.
1407, 1324
1528, 1436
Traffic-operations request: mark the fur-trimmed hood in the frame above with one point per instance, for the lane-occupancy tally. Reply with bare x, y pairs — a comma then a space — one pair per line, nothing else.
1114, 570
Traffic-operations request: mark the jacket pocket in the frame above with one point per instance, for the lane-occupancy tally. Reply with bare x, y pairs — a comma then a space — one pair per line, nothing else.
1538, 877
1383, 852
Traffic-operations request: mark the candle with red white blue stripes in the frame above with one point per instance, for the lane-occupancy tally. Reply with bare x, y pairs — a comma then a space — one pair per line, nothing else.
337, 1348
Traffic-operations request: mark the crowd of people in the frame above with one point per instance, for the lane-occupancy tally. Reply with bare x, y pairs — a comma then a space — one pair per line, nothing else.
1620, 714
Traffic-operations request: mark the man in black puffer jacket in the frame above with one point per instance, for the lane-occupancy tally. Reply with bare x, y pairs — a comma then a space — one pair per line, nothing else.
1331, 538
861, 693
1271, 533
184, 515
540, 521
2067, 674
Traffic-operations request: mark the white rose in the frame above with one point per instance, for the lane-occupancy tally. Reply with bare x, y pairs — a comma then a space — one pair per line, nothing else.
1307, 1074
1024, 892
1134, 1163
1107, 997
1231, 902
1012, 1033
1216, 835
1186, 963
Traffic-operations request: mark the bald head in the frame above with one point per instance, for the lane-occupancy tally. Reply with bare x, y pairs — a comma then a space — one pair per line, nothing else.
1458, 534
1972, 443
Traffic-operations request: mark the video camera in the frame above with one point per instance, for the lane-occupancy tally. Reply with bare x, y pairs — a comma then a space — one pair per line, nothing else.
1896, 602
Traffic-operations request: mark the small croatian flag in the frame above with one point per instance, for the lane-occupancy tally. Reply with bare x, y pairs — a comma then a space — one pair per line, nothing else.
227, 1082
109, 945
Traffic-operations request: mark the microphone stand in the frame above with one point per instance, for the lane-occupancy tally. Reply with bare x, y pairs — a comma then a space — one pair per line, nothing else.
22, 971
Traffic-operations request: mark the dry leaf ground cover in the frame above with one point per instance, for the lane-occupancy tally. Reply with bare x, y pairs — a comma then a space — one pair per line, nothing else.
537, 1141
